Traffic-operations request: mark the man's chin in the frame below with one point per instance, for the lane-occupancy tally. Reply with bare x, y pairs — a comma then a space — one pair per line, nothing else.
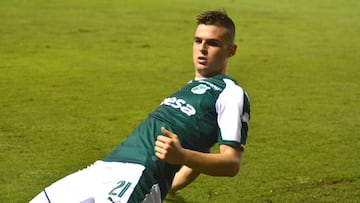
201, 67
202, 71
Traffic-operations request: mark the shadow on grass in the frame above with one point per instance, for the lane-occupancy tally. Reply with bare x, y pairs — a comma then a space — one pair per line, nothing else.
174, 199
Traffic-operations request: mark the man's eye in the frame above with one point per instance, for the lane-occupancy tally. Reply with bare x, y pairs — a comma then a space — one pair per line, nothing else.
213, 43
197, 41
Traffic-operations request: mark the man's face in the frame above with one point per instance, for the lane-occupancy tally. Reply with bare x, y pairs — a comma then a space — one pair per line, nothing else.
211, 50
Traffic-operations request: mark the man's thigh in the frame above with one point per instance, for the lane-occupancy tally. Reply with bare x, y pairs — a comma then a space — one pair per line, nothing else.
100, 182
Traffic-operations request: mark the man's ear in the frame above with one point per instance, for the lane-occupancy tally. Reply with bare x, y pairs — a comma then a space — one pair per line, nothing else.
232, 50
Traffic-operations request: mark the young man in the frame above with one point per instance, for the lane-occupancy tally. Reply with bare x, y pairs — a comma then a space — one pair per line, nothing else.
210, 109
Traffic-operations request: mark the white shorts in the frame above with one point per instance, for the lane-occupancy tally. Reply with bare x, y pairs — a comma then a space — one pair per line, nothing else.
106, 182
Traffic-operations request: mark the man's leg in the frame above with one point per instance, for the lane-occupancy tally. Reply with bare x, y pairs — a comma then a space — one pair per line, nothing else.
102, 181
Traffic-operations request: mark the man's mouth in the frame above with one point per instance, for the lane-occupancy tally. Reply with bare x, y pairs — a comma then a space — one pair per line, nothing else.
202, 60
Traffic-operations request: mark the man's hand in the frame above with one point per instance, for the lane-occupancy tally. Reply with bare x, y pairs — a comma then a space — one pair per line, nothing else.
168, 147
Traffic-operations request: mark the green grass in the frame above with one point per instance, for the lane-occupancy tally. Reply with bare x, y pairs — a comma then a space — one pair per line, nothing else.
77, 76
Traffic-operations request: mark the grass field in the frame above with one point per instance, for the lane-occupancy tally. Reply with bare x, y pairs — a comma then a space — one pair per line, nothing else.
77, 76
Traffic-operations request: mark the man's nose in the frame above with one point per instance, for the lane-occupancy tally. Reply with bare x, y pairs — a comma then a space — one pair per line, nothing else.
203, 48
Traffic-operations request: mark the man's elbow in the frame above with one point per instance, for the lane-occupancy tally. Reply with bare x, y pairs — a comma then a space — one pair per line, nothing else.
233, 170
233, 160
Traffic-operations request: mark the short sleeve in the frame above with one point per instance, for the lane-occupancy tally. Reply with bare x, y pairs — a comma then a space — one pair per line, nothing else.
233, 109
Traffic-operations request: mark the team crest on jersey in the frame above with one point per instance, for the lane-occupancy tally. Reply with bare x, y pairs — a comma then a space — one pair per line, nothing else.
200, 89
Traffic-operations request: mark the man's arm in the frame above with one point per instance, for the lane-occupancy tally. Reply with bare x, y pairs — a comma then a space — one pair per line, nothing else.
225, 163
183, 178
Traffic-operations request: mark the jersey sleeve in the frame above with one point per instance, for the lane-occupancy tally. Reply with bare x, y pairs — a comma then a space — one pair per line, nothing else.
233, 109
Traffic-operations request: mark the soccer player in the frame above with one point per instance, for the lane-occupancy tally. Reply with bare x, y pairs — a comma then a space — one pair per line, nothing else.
171, 147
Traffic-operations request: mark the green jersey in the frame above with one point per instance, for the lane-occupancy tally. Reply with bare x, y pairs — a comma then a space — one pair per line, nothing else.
202, 113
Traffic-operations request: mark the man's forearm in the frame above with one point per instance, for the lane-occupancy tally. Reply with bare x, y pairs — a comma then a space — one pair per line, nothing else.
183, 178
222, 164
